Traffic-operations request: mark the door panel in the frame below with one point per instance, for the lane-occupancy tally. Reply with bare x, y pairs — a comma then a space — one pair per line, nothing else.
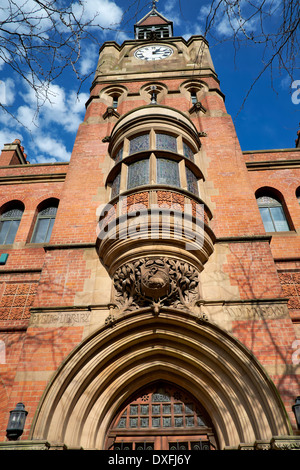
161, 417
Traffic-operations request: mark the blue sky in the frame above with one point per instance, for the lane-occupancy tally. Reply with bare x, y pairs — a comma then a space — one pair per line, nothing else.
269, 119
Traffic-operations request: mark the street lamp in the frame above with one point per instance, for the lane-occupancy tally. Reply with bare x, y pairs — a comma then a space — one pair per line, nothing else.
16, 422
296, 410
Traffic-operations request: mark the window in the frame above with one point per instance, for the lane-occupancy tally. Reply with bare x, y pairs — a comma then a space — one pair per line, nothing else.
115, 187
168, 172
138, 173
9, 223
166, 142
272, 214
194, 97
44, 224
139, 143
119, 155
192, 182
115, 102
188, 152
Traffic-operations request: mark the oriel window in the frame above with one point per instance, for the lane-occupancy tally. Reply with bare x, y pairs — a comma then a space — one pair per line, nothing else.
166, 142
139, 143
168, 172
138, 173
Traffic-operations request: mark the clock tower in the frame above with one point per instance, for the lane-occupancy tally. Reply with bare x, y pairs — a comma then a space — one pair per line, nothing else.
158, 293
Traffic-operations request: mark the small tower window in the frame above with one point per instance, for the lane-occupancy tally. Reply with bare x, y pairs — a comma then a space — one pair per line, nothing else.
115, 102
194, 97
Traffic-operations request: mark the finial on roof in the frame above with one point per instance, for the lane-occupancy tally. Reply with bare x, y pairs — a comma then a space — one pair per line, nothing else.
154, 4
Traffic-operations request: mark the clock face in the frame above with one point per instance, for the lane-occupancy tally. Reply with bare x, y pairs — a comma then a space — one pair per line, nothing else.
153, 52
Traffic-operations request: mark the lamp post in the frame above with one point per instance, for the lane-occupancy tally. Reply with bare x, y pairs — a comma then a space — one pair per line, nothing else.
296, 410
16, 422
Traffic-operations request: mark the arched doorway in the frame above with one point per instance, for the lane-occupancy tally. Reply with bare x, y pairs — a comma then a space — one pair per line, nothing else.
161, 416
101, 376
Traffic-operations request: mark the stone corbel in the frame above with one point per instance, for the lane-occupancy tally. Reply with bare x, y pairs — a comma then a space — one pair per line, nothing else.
196, 108
110, 111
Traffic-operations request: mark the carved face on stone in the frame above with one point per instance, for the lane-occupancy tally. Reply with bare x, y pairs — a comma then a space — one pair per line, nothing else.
155, 281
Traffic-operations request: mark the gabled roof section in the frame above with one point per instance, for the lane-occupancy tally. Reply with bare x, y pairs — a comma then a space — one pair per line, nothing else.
153, 21
153, 18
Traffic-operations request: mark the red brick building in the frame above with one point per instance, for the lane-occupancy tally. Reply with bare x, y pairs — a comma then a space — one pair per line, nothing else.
150, 287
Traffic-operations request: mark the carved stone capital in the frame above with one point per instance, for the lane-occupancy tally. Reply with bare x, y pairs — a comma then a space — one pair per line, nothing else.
285, 443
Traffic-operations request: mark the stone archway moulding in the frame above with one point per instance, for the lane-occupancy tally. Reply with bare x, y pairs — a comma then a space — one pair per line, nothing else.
86, 392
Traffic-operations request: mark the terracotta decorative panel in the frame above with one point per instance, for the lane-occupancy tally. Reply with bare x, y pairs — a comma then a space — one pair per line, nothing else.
16, 301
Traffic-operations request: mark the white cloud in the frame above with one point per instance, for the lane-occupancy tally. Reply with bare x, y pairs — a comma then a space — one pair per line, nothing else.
7, 92
7, 136
88, 60
100, 12
46, 132
57, 106
170, 12
229, 19
52, 147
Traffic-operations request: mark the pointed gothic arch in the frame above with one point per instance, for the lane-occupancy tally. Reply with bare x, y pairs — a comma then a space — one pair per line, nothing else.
107, 368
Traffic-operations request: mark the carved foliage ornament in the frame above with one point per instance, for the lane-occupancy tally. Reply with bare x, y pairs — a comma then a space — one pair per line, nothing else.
156, 282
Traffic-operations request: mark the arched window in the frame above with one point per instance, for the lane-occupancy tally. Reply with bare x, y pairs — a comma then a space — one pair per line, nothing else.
9, 222
44, 223
272, 214
298, 194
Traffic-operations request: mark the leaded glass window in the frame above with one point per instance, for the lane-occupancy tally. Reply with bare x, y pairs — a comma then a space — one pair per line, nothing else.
115, 187
139, 143
138, 173
168, 172
9, 223
166, 142
188, 152
192, 181
44, 225
272, 214
119, 155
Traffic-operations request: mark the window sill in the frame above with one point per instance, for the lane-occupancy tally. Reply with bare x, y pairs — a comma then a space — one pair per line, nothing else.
289, 233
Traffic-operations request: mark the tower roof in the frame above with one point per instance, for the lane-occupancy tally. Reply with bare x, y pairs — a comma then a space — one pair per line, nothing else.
153, 22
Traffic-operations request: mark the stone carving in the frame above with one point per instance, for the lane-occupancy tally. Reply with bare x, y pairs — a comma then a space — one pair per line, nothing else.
156, 282
248, 312
59, 318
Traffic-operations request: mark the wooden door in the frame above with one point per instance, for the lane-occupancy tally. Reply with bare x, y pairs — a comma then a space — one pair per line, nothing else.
161, 417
